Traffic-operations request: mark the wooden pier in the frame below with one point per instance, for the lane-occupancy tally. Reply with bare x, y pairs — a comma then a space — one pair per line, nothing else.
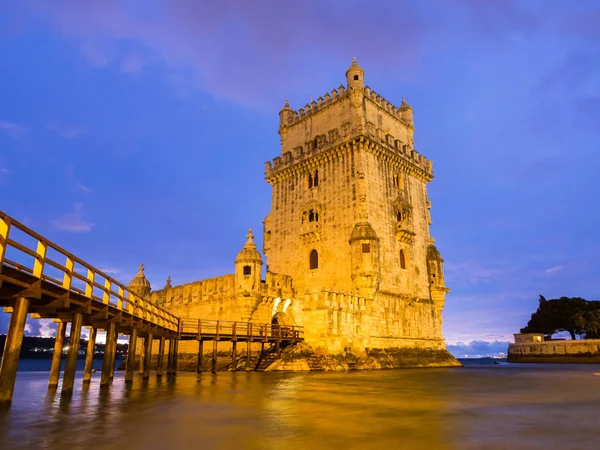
39, 278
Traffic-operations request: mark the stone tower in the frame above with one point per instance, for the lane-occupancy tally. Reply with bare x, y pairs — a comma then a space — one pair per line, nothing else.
349, 222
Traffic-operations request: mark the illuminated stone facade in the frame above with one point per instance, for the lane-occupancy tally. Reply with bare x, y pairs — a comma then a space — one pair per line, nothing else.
347, 243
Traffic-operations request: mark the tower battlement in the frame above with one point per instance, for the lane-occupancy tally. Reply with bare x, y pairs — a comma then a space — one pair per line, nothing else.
350, 112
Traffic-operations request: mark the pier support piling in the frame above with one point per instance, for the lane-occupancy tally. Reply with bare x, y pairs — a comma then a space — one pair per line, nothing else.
161, 357
108, 355
170, 356
57, 355
200, 353
214, 358
114, 355
234, 356
175, 354
248, 355
12, 350
147, 355
142, 359
72, 355
131, 356
89, 357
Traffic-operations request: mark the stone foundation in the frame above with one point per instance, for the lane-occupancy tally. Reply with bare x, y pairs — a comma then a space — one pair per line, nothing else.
578, 351
302, 357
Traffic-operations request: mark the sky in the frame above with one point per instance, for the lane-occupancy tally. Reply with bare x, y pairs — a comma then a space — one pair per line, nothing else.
137, 131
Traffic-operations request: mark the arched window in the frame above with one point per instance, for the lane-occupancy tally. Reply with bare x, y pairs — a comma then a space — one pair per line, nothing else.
311, 216
399, 216
310, 181
316, 179
314, 260
247, 270
315, 143
402, 260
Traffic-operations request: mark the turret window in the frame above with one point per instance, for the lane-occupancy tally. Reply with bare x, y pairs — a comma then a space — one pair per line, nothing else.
356, 77
366, 248
402, 260
316, 178
313, 260
247, 270
310, 181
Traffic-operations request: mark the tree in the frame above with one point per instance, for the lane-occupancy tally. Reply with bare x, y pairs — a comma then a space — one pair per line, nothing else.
563, 314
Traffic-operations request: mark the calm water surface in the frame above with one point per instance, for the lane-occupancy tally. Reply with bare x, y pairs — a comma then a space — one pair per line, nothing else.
476, 407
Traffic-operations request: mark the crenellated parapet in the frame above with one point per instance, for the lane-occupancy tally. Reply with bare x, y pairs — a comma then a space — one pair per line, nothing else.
291, 117
212, 289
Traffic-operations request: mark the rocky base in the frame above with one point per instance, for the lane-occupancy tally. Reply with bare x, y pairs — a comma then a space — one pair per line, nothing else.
302, 357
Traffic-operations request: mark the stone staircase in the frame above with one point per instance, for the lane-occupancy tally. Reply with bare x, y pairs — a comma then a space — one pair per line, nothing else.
266, 360
315, 362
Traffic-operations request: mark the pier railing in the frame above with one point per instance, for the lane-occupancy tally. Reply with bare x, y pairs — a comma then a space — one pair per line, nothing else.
23, 251
243, 331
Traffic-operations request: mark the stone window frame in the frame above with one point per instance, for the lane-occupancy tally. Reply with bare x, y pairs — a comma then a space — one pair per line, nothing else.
313, 259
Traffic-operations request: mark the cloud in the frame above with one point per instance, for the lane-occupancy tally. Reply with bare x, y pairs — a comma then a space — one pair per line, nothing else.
251, 52
553, 269
478, 349
69, 132
4, 173
110, 271
73, 221
12, 129
83, 188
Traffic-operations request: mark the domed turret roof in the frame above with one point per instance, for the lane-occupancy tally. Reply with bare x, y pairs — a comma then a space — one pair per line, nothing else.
140, 285
433, 253
354, 67
404, 106
363, 230
249, 252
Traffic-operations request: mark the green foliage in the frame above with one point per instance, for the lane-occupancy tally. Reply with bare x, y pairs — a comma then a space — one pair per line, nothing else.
575, 315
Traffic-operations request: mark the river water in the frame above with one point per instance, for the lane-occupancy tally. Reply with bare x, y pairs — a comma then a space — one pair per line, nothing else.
508, 406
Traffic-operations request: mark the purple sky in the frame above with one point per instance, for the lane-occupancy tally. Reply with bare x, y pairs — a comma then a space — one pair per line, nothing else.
136, 131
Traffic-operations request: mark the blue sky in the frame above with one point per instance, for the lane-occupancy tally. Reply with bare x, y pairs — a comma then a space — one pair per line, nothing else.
136, 131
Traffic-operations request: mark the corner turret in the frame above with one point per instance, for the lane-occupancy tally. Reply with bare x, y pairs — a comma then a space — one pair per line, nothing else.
248, 268
435, 272
285, 115
406, 112
355, 77
140, 285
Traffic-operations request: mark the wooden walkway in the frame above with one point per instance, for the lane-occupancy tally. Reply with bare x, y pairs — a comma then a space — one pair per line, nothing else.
222, 330
39, 278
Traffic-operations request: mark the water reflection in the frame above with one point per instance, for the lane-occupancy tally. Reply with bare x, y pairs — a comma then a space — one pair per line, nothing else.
493, 407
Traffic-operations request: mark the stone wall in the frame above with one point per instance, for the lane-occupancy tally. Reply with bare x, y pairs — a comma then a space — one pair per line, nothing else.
567, 351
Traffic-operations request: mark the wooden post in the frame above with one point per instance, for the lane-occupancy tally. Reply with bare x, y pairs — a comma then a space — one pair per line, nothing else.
89, 357
57, 356
12, 350
114, 355
175, 355
131, 356
72, 354
109, 358
143, 346
147, 355
214, 360
200, 354
161, 357
234, 356
170, 357
248, 344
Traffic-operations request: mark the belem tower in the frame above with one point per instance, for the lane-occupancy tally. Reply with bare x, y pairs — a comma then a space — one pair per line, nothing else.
347, 246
